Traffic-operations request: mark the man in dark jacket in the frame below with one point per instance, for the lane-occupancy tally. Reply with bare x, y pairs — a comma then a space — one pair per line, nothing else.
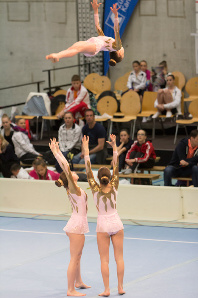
184, 160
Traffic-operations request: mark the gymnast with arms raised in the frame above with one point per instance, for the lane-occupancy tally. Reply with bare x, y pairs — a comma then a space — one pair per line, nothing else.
94, 45
77, 225
109, 225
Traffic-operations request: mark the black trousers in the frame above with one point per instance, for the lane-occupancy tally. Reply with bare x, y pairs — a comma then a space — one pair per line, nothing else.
148, 164
28, 157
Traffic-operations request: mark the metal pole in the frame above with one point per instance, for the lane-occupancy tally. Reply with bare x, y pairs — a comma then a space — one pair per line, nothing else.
49, 80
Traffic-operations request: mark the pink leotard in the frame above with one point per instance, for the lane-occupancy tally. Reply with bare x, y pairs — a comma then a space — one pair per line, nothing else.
108, 219
105, 43
78, 198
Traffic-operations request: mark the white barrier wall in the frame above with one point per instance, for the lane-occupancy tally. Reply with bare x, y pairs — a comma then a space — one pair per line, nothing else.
155, 203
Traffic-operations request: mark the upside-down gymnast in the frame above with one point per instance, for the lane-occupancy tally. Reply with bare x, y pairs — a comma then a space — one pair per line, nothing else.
77, 225
109, 225
94, 45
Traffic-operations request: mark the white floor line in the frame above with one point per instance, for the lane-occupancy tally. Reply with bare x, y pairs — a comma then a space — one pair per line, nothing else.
135, 281
126, 238
155, 274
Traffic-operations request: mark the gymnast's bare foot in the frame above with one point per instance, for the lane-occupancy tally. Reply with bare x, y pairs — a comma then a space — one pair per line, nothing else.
74, 293
106, 293
81, 285
121, 291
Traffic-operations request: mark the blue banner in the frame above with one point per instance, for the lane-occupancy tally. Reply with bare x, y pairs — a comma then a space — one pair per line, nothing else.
124, 14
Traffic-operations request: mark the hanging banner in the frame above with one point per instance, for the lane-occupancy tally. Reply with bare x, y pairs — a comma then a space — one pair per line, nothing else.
124, 14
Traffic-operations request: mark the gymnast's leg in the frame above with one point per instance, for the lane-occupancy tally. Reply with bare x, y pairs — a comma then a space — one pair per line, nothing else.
117, 241
76, 48
103, 240
76, 247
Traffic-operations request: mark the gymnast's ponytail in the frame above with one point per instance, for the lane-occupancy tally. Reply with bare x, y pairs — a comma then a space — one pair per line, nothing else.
62, 181
104, 175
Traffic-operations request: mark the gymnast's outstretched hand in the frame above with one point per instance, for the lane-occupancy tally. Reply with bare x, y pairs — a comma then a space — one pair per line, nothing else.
95, 5
114, 10
113, 142
53, 146
53, 57
85, 145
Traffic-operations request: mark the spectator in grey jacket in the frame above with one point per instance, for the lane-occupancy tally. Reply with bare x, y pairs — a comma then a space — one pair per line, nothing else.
69, 137
22, 146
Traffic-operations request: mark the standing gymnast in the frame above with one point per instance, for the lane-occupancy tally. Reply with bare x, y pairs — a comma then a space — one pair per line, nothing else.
92, 46
77, 225
109, 224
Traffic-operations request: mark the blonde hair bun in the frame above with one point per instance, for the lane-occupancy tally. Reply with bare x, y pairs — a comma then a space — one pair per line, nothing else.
112, 62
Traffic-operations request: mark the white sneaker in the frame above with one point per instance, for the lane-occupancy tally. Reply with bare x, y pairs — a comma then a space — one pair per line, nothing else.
168, 114
144, 119
190, 115
127, 171
156, 115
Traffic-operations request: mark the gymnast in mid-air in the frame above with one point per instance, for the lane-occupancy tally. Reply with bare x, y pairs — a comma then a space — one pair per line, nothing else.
94, 45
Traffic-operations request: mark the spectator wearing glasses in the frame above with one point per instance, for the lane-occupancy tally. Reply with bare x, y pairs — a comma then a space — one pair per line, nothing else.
141, 154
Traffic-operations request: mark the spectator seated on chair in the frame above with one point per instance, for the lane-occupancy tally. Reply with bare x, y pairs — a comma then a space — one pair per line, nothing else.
149, 86
184, 160
69, 137
18, 137
22, 146
141, 154
137, 79
23, 126
41, 171
97, 140
7, 157
7, 130
159, 75
123, 145
77, 99
143, 66
18, 172
168, 99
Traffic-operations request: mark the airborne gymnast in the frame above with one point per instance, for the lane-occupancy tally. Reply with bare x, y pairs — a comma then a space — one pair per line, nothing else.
94, 45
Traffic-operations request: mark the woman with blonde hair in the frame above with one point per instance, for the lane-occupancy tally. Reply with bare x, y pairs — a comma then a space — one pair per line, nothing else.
7, 157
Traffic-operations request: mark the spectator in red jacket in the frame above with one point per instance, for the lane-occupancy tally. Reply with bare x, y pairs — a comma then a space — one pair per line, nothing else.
141, 154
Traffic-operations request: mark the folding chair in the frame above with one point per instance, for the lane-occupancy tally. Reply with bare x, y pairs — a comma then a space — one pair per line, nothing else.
130, 107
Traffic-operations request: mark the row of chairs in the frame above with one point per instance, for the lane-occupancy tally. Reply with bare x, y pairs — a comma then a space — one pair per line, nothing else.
130, 111
97, 84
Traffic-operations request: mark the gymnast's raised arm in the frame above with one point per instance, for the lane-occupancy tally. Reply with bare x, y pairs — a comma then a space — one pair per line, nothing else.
117, 44
90, 177
73, 188
115, 177
95, 6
